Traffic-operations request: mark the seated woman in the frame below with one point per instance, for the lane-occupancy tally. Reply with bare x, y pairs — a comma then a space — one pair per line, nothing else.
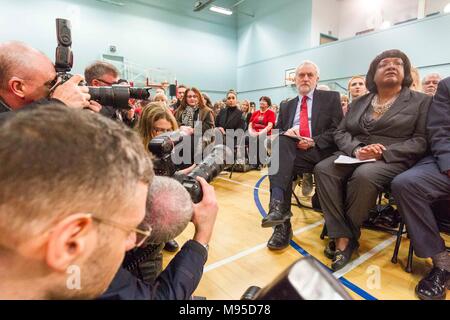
193, 111
357, 87
261, 124
157, 119
246, 114
388, 125
230, 118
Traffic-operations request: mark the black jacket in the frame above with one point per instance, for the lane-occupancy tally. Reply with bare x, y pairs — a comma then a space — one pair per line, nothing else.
232, 120
439, 125
325, 118
5, 111
177, 282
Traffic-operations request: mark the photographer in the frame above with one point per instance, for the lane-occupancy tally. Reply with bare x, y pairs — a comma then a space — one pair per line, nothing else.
73, 193
103, 74
168, 211
27, 77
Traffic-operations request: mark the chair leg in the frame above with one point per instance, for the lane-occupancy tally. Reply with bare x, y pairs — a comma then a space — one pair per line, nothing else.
324, 232
297, 199
394, 259
410, 258
231, 171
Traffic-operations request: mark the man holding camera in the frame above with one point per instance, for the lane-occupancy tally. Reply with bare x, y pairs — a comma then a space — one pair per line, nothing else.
73, 193
169, 209
27, 77
104, 74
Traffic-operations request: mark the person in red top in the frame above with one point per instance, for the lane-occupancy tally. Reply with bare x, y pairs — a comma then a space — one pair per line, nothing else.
261, 124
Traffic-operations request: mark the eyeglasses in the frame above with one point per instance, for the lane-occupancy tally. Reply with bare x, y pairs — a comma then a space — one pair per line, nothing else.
108, 83
141, 234
191, 97
386, 64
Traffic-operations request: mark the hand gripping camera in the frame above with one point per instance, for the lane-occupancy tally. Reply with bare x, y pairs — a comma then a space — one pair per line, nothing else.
116, 96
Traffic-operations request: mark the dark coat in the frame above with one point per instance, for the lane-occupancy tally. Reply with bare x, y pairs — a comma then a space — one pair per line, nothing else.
177, 282
439, 125
233, 121
402, 129
325, 118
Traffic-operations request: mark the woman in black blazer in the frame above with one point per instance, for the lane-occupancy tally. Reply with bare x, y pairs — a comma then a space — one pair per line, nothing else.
230, 118
386, 126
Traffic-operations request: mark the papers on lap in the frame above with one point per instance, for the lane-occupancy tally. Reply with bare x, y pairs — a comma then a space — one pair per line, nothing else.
350, 160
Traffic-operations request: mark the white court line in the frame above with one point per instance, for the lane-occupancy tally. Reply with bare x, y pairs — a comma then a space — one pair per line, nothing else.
352, 265
243, 184
248, 252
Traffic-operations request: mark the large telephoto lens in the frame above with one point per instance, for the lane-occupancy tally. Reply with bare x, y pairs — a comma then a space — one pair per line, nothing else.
116, 96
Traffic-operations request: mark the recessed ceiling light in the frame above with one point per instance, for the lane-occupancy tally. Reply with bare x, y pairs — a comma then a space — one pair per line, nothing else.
221, 10
447, 8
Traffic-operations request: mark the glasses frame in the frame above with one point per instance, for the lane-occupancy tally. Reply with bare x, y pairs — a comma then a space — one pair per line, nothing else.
144, 233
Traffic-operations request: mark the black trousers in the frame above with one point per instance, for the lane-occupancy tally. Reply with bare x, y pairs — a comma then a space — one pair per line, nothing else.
287, 161
348, 192
415, 191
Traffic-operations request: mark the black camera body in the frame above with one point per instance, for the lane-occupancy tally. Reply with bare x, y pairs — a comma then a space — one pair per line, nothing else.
162, 148
116, 96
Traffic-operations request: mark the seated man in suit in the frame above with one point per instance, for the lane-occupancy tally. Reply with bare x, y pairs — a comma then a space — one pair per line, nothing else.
418, 188
306, 125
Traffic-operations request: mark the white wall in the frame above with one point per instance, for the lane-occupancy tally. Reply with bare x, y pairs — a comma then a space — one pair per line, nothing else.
325, 18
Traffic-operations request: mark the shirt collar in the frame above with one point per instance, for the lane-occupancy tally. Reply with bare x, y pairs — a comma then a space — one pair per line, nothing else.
4, 107
309, 95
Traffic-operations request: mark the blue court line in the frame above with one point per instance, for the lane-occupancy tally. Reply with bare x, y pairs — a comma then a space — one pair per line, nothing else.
365, 295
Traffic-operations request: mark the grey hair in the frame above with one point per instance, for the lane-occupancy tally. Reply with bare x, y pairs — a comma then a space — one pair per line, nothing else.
308, 63
169, 209
430, 75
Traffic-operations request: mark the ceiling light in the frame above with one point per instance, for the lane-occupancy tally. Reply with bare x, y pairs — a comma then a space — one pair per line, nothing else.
385, 25
221, 10
447, 8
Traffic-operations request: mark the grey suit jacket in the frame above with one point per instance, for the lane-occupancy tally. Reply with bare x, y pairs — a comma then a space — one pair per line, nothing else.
402, 129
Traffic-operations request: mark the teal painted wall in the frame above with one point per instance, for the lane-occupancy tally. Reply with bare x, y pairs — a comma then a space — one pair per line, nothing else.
427, 43
248, 53
200, 52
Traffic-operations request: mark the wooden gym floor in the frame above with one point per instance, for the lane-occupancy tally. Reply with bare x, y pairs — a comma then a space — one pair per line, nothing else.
239, 258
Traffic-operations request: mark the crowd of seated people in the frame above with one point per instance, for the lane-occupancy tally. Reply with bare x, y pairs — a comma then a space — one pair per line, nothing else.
395, 124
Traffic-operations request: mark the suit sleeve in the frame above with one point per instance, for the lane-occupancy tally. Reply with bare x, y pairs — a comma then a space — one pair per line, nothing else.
177, 282
326, 139
439, 125
344, 140
183, 274
414, 148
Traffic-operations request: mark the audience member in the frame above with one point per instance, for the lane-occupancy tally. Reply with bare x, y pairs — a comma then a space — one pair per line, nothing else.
388, 126
344, 103
416, 84
357, 87
261, 125
323, 87
193, 112
430, 83
416, 190
162, 98
83, 183
246, 114
307, 124
230, 118
181, 90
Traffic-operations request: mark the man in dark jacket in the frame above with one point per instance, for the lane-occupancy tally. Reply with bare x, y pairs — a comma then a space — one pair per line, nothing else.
416, 190
306, 124
168, 211
27, 76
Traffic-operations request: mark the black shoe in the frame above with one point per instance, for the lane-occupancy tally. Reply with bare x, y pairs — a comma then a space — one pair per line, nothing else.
330, 250
342, 258
433, 286
171, 246
281, 237
277, 215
